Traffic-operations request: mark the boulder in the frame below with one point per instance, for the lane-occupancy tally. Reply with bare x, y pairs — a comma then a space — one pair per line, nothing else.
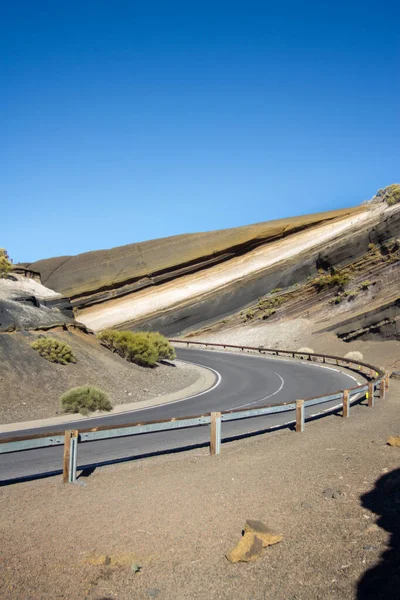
395, 375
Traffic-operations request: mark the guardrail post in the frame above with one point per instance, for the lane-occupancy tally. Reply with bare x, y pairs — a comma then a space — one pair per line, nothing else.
215, 433
382, 390
70, 456
371, 394
67, 455
73, 455
300, 416
346, 404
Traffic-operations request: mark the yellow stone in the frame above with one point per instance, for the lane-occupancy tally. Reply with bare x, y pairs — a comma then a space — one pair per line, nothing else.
394, 441
248, 549
267, 535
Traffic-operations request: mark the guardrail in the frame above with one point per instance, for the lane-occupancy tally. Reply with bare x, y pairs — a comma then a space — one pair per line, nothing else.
378, 379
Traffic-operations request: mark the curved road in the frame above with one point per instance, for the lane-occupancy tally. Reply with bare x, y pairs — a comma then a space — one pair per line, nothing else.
244, 381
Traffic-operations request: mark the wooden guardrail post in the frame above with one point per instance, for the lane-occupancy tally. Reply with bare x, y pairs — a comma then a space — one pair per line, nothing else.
371, 394
300, 416
67, 455
382, 390
215, 433
346, 404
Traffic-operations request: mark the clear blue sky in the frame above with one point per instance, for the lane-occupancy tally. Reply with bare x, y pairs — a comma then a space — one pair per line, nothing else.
127, 121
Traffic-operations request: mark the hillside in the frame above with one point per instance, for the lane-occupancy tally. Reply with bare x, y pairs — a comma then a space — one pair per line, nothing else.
31, 386
185, 283
96, 276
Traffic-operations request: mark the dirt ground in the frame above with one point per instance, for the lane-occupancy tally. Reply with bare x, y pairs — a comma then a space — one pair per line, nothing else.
176, 516
31, 387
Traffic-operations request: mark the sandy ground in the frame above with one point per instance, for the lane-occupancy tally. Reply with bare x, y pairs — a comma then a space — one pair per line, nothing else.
177, 516
149, 301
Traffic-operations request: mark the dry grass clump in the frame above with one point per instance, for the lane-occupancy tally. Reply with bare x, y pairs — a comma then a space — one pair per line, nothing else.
354, 355
144, 348
306, 350
84, 400
54, 350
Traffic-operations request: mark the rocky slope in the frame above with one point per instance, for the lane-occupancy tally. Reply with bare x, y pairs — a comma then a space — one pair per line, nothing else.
179, 284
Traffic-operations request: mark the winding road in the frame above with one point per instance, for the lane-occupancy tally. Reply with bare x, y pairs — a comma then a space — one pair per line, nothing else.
243, 380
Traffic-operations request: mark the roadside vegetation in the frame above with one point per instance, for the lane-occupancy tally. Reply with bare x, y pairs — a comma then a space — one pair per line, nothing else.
266, 306
85, 399
54, 350
389, 194
145, 348
5, 263
330, 280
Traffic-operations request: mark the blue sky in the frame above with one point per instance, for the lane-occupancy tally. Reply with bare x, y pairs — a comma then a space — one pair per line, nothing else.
127, 121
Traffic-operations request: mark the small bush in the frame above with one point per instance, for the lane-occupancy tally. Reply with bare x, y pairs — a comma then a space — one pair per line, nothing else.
136, 347
276, 290
365, 285
352, 294
390, 194
164, 349
85, 399
268, 313
339, 280
354, 355
5, 263
144, 348
109, 338
54, 350
249, 315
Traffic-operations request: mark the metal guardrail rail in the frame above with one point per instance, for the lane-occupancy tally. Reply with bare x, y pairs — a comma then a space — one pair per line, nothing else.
378, 379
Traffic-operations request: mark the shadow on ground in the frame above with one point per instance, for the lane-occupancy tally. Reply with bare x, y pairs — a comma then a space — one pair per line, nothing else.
382, 581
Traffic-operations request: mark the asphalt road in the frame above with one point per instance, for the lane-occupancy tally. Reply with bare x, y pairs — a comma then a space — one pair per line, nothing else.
244, 380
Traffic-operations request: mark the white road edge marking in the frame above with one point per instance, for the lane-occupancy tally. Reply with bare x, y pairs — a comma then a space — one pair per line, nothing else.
265, 397
216, 384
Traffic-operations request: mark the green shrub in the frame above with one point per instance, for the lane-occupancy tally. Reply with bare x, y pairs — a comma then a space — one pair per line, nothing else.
268, 313
352, 294
276, 290
249, 315
164, 349
144, 348
390, 194
339, 280
85, 399
5, 263
54, 350
109, 338
365, 285
137, 347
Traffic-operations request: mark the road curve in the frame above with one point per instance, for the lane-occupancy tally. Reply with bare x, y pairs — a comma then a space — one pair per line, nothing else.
245, 380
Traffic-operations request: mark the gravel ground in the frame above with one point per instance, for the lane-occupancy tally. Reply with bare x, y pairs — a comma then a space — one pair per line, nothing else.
30, 386
176, 516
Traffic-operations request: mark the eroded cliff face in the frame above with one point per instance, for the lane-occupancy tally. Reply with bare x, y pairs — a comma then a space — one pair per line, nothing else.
182, 283
100, 275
